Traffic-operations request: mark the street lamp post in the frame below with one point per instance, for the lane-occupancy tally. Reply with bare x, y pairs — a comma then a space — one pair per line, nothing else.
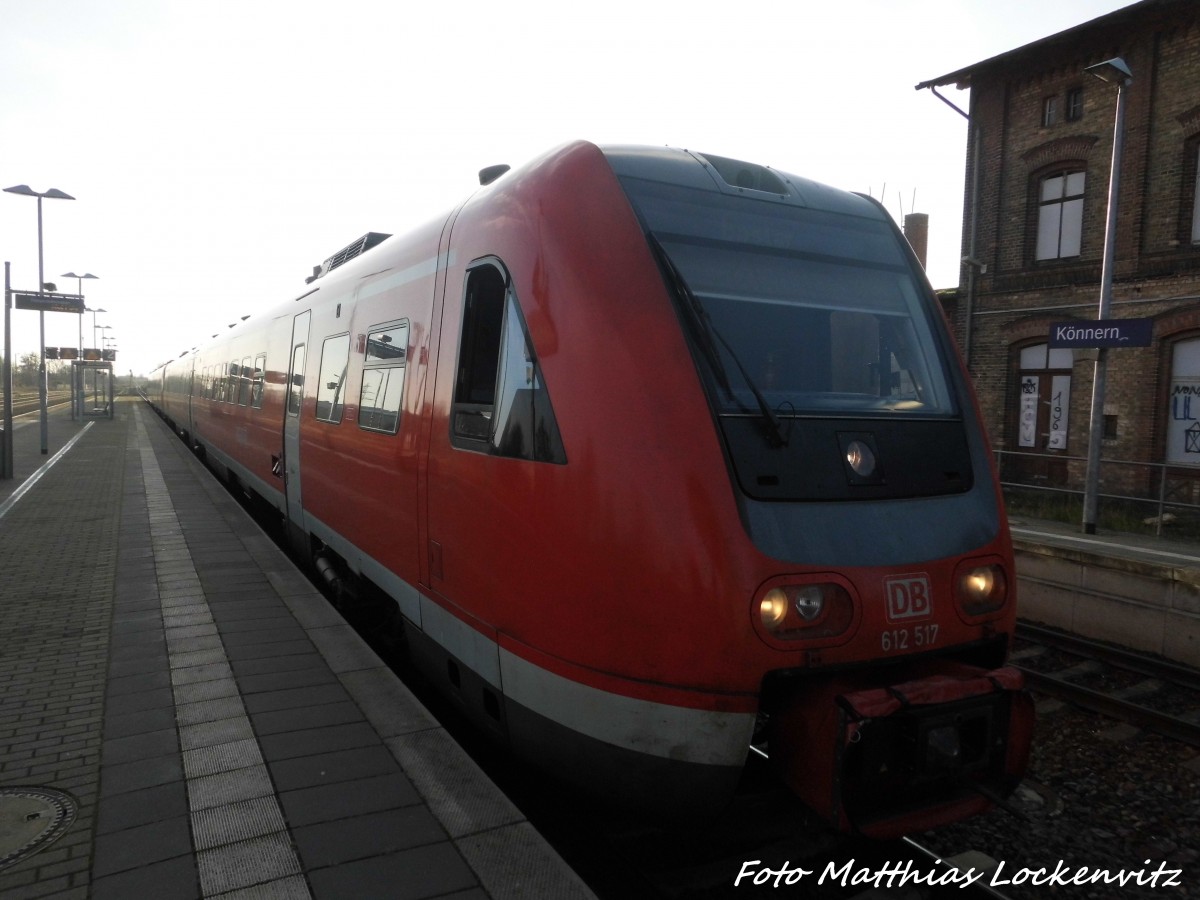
79, 290
1113, 71
94, 328
98, 342
94, 345
52, 194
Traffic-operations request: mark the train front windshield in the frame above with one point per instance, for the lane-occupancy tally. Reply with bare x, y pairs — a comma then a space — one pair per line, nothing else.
808, 311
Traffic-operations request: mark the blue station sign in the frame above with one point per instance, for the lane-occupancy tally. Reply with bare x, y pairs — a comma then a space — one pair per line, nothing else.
1102, 333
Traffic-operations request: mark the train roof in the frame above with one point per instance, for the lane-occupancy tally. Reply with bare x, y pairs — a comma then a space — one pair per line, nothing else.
671, 165
706, 171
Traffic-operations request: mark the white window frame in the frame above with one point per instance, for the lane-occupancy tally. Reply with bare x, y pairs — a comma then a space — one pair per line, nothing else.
1049, 111
1196, 201
1060, 215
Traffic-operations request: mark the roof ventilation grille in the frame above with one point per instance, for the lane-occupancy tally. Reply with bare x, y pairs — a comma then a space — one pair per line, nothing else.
347, 253
747, 176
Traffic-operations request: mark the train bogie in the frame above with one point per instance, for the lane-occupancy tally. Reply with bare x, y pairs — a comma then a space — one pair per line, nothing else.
649, 449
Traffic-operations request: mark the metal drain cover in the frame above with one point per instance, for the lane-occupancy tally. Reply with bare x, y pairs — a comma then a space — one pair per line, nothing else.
31, 818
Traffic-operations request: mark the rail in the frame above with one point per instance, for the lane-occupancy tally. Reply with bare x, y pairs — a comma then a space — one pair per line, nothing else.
28, 401
1114, 704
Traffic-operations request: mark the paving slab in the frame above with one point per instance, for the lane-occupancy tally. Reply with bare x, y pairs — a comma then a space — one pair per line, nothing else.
217, 727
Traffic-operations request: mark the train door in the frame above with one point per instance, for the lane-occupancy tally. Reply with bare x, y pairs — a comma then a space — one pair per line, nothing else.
291, 424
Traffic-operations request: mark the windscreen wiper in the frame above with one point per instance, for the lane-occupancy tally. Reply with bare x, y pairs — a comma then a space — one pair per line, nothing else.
707, 334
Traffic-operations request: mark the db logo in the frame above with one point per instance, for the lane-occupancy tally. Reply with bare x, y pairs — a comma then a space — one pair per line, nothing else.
908, 597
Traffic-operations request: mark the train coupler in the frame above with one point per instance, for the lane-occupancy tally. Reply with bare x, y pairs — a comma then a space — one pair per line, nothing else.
887, 760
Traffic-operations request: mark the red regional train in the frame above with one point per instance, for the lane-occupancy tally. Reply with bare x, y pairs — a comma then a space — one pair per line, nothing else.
659, 455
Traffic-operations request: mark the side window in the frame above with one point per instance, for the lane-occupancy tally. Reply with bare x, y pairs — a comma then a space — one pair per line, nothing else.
296, 385
383, 378
260, 377
501, 405
221, 380
1060, 215
235, 375
244, 383
335, 353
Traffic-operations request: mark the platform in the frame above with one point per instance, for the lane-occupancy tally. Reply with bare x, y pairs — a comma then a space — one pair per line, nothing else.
1138, 591
184, 716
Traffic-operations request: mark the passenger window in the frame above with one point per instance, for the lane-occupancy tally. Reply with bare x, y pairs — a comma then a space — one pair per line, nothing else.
244, 383
500, 404
383, 378
260, 377
296, 385
234, 376
335, 353
388, 345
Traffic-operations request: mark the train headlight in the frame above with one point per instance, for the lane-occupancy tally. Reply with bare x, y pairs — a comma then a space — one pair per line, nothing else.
805, 611
810, 601
861, 459
981, 588
773, 608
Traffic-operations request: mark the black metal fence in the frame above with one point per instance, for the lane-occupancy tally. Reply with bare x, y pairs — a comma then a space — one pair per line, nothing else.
1144, 497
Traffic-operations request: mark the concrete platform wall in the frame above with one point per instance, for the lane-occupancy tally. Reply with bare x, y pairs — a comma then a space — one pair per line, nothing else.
1144, 606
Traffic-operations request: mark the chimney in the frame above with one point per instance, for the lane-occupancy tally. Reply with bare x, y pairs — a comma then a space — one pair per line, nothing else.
916, 229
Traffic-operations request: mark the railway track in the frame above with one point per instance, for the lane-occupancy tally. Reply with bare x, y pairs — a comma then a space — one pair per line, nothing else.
1144, 691
26, 402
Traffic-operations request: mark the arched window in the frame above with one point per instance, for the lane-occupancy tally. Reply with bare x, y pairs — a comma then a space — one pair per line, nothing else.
1195, 172
1045, 397
1183, 405
1060, 214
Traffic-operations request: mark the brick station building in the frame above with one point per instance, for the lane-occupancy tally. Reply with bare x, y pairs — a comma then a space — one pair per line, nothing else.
1039, 155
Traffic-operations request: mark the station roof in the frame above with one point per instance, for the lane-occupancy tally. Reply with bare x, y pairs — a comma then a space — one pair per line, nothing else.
1067, 41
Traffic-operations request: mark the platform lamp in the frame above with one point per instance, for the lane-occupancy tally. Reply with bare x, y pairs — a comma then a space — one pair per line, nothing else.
99, 346
93, 312
1115, 72
79, 290
52, 194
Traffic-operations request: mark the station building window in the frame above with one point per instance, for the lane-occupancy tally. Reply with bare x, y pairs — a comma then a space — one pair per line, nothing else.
1074, 110
1049, 111
501, 404
1060, 215
1194, 157
1045, 397
1183, 404
1043, 403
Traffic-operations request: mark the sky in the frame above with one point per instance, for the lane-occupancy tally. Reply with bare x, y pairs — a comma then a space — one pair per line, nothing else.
217, 151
